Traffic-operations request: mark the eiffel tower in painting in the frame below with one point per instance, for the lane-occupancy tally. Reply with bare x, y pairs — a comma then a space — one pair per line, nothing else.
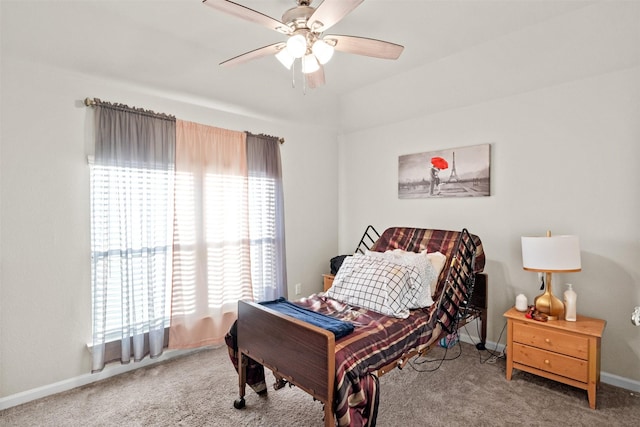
454, 175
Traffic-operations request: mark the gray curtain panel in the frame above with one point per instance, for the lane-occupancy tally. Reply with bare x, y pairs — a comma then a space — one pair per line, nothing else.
266, 207
131, 227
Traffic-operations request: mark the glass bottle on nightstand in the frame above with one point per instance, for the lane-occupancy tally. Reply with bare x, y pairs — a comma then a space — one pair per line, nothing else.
570, 298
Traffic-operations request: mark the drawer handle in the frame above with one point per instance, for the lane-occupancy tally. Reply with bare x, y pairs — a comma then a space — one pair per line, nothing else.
546, 361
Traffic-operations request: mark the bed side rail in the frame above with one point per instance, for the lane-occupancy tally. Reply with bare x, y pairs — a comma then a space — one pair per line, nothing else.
367, 240
459, 284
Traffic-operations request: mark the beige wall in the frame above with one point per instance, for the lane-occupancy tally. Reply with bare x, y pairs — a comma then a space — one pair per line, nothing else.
564, 158
45, 299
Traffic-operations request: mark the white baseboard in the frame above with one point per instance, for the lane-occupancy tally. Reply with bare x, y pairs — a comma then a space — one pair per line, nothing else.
622, 382
113, 370
605, 377
71, 383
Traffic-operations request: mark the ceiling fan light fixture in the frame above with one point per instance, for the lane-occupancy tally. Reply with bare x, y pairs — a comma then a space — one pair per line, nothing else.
322, 50
310, 64
297, 45
285, 58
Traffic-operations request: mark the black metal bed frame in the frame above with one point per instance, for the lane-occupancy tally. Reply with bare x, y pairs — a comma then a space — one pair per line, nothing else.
454, 300
366, 241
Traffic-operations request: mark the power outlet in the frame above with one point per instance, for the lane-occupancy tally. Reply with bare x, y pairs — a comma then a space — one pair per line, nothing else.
298, 288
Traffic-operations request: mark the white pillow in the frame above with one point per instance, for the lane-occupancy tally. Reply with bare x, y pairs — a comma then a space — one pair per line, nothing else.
437, 260
420, 262
376, 284
428, 273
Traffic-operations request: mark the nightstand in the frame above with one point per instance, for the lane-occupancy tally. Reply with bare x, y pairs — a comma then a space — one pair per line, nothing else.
567, 352
328, 281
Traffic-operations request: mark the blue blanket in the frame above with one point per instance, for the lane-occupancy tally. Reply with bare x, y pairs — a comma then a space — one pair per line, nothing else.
338, 327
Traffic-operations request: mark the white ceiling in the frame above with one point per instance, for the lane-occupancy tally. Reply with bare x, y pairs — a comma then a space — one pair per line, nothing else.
175, 46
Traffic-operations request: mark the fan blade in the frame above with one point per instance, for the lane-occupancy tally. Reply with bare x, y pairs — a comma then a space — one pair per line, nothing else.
330, 12
247, 14
365, 46
272, 49
316, 78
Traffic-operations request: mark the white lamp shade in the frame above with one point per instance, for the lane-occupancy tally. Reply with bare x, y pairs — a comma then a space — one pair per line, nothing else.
553, 254
285, 58
297, 45
322, 50
310, 64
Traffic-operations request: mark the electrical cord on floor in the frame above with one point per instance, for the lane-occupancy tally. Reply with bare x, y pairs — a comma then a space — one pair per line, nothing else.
494, 354
421, 360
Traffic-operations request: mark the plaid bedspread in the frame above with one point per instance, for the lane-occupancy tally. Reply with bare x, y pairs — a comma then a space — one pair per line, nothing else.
419, 239
377, 341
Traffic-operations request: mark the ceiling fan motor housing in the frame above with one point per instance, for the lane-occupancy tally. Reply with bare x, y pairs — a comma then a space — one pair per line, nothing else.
297, 17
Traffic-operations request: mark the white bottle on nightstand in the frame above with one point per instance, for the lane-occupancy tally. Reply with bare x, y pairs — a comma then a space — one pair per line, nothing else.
570, 298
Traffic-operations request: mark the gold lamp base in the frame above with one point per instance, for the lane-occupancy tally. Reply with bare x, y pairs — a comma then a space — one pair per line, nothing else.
547, 303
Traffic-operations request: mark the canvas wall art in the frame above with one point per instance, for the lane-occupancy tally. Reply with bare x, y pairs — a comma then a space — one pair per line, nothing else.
452, 172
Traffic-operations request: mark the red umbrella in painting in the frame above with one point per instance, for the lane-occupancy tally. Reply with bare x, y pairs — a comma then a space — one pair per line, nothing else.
439, 162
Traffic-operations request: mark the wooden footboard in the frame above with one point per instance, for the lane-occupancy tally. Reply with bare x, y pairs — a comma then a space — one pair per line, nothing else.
299, 352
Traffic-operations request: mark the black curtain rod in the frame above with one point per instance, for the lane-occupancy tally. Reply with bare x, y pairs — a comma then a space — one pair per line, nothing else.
280, 139
92, 102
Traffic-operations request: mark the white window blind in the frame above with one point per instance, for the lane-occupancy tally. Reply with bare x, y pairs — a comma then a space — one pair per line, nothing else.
262, 232
131, 211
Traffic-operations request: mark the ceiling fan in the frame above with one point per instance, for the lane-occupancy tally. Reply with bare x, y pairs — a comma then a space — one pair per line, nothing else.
305, 25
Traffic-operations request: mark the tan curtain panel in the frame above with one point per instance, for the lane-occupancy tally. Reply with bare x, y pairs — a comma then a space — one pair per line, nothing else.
211, 251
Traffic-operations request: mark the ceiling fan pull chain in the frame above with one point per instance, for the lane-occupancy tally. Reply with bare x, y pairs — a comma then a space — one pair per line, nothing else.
303, 78
293, 75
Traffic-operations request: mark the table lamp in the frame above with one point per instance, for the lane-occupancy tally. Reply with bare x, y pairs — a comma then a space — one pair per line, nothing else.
557, 254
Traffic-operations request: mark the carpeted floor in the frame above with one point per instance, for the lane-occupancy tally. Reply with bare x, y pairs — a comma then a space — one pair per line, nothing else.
199, 390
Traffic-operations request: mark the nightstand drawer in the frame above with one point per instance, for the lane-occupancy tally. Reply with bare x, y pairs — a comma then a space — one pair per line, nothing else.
555, 363
551, 340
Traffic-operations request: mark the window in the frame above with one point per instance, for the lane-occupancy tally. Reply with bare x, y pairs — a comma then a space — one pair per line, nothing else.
186, 219
131, 250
